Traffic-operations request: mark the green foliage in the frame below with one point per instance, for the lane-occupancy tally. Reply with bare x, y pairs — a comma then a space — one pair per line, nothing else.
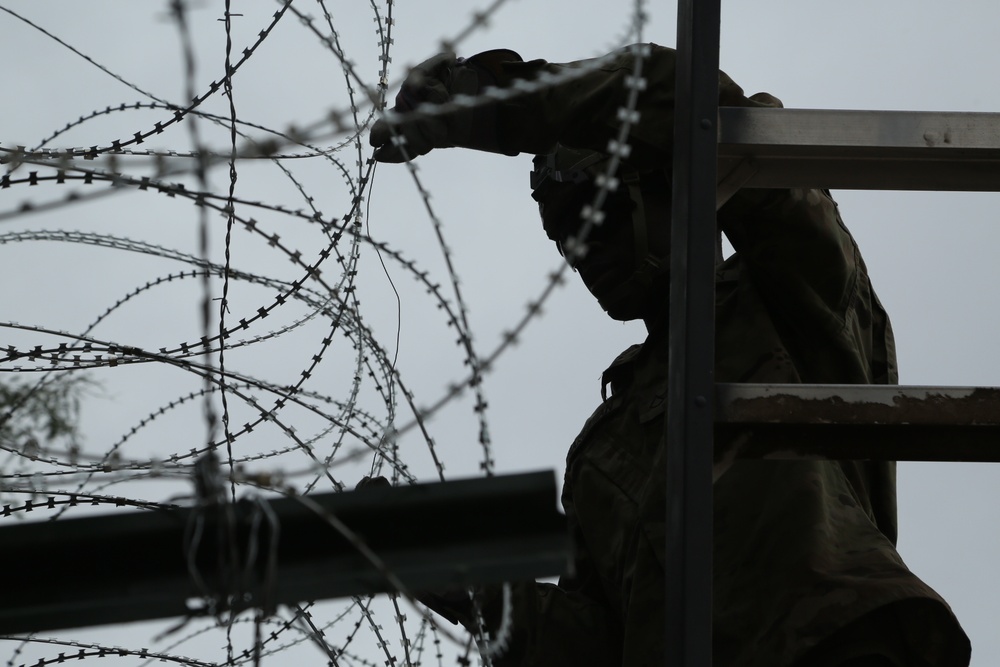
33, 412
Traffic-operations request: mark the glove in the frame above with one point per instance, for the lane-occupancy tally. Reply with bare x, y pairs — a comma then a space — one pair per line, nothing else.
454, 605
372, 483
437, 81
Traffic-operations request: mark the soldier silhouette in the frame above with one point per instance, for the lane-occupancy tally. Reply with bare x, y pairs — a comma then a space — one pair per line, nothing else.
806, 572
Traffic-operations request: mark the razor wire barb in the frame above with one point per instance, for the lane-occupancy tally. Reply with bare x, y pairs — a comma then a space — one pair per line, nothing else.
274, 328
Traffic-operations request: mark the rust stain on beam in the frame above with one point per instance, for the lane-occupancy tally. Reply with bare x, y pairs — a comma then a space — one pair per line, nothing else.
857, 422
857, 404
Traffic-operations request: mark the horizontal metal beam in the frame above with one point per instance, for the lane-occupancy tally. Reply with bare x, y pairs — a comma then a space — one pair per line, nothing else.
876, 422
136, 565
867, 150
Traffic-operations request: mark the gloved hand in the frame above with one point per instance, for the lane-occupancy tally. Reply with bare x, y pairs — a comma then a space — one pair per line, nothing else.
437, 81
372, 482
455, 605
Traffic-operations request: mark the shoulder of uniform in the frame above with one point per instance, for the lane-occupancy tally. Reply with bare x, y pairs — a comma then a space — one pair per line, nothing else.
619, 372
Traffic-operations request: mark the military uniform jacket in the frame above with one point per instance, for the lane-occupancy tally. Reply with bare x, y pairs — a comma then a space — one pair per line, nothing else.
805, 567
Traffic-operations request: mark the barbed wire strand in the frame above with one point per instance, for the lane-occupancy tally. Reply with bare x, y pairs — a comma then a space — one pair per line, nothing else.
336, 302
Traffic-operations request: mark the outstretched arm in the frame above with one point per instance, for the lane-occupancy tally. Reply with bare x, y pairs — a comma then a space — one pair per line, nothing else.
534, 105
551, 626
807, 267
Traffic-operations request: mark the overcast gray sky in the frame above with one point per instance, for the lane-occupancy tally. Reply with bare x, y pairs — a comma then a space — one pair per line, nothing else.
931, 255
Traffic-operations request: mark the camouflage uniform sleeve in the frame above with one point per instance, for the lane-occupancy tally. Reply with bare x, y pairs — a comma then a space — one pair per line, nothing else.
794, 242
581, 109
551, 625
564, 625
557, 626
807, 268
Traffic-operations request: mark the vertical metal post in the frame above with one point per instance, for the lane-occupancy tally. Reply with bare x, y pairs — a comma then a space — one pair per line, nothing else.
688, 429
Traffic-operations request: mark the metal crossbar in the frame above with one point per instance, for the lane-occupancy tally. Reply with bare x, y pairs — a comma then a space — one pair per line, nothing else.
873, 422
864, 150
145, 565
